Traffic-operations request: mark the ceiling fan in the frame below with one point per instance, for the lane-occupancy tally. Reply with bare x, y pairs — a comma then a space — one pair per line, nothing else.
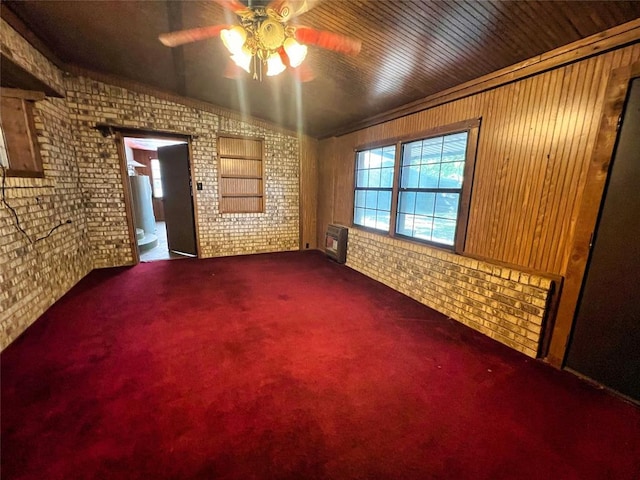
264, 41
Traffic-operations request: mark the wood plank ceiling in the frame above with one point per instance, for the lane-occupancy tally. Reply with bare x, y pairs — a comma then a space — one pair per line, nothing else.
410, 50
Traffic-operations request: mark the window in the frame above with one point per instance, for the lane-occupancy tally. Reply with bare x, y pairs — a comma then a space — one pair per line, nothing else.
430, 188
19, 150
374, 187
241, 174
424, 180
156, 176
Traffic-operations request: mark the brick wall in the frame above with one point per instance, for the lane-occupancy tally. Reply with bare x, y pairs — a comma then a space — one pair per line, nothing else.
93, 102
83, 184
503, 303
36, 271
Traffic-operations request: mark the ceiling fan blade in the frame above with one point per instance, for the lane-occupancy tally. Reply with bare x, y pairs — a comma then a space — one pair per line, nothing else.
303, 72
234, 5
173, 39
289, 9
328, 40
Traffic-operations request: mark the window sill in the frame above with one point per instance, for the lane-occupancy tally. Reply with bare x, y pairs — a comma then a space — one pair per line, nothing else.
409, 240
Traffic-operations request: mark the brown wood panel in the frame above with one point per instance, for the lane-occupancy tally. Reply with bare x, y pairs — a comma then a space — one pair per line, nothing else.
326, 181
552, 87
486, 149
308, 192
239, 147
128, 207
560, 162
536, 141
241, 204
241, 186
527, 146
515, 166
592, 94
241, 172
22, 148
240, 167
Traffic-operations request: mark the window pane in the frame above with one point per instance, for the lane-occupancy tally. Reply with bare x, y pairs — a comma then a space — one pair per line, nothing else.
404, 224
374, 178
451, 175
371, 200
369, 218
407, 202
411, 153
382, 222
432, 150
422, 227
424, 203
430, 211
454, 148
384, 201
156, 178
389, 156
375, 158
444, 231
362, 178
366, 160
386, 177
429, 175
447, 205
410, 177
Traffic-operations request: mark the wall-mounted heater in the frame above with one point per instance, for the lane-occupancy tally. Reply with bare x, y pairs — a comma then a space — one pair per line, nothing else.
335, 245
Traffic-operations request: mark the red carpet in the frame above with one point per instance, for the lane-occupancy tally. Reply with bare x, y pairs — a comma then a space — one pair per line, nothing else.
288, 366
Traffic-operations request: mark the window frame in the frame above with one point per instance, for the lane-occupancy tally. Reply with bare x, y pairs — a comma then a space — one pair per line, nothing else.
26, 99
156, 177
472, 127
379, 189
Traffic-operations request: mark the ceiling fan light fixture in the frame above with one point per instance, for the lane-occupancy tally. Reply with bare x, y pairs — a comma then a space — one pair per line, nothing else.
264, 41
295, 51
274, 65
243, 59
234, 39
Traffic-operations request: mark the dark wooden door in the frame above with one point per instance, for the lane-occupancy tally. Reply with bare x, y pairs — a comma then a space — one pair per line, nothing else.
177, 198
605, 345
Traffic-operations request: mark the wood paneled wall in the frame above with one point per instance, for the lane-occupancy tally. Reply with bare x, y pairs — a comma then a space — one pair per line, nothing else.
308, 191
536, 139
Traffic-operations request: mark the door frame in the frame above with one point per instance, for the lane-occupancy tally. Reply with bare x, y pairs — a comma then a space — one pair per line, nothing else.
120, 135
592, 196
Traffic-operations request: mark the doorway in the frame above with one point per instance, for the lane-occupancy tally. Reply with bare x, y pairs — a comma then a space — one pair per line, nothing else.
605, 343
161, 200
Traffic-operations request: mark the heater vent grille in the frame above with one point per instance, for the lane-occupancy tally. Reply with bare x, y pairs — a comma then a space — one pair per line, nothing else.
336, 243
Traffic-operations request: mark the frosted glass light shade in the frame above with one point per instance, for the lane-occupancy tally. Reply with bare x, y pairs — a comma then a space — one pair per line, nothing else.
234, 39
243, 59
274, 65
296, 52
